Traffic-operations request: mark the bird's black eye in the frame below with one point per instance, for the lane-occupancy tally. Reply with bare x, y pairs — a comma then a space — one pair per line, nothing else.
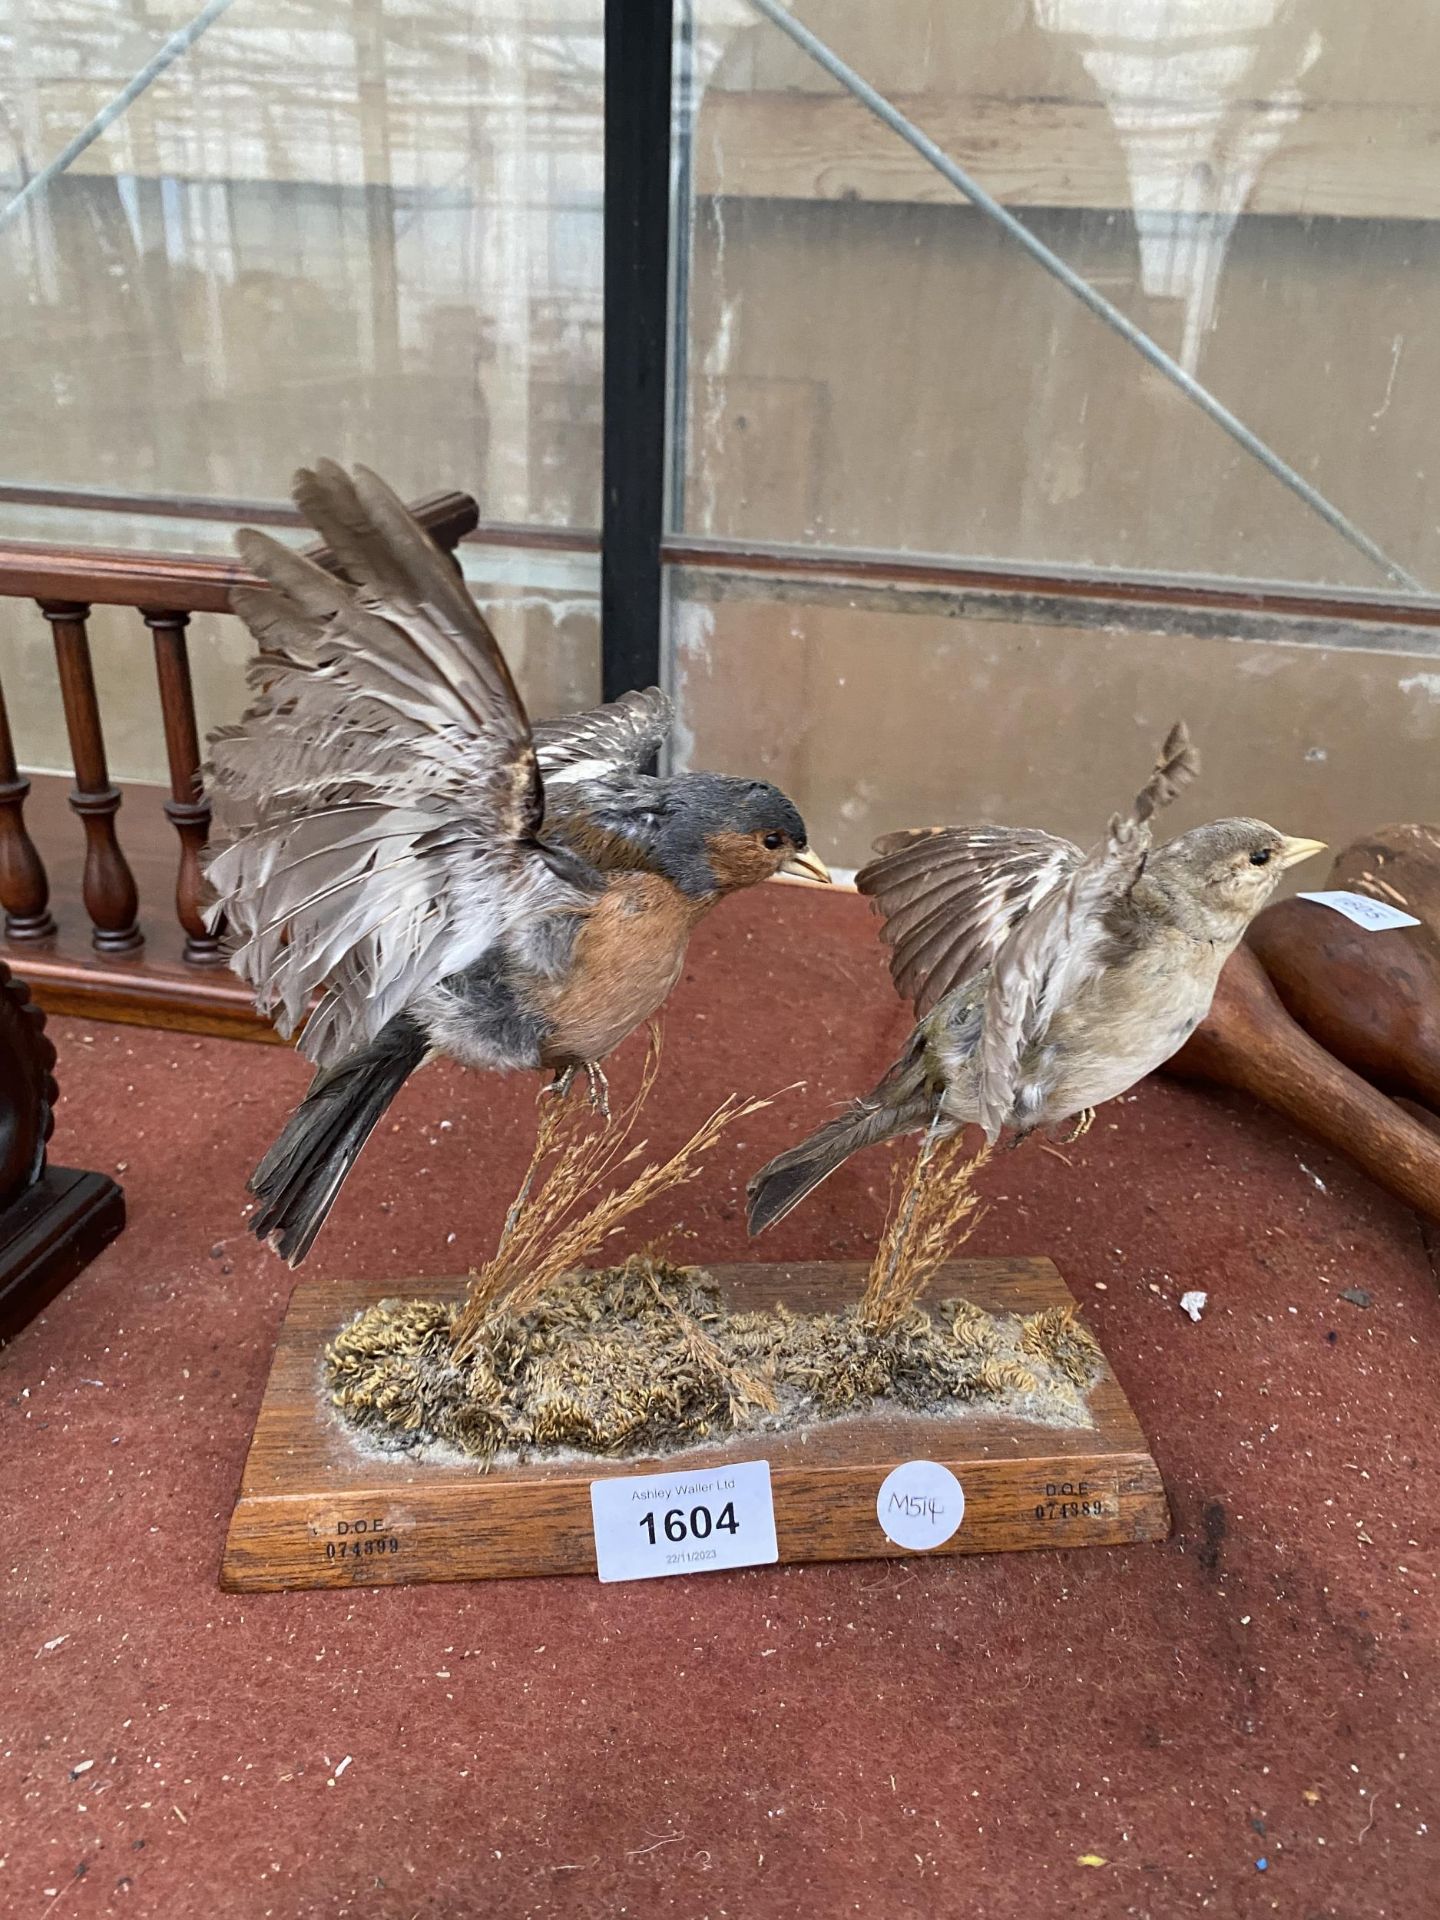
1260, 857
774, 840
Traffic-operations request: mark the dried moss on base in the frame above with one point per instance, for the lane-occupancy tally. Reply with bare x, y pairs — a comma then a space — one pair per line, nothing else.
644, 1358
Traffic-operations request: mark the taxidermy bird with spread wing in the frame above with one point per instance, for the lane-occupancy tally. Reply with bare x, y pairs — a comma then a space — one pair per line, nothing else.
1047, 980
396, 836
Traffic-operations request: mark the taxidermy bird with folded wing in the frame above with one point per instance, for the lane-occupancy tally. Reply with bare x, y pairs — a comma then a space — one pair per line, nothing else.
395, 836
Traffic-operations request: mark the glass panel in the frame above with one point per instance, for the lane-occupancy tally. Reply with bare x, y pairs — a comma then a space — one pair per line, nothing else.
871, 363
545, 609
370, 230
879, 707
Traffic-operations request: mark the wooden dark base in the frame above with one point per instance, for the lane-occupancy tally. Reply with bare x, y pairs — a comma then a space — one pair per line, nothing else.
51, 1233
317, 1510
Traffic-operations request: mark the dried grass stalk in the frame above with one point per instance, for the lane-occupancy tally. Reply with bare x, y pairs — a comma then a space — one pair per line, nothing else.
932, 1215
550, 1229
1060, 1338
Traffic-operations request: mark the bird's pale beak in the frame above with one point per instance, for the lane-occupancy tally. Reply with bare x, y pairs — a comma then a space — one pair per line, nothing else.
806, 864
1292, 852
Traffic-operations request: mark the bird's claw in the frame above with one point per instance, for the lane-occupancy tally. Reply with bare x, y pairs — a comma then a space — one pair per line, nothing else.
598, 1085
599, 1089
1084, 1120
560, 1086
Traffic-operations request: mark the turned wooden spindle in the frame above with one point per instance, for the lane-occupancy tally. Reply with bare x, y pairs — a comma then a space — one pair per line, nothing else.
1249, 1041
187, 810
108, 886
24, 888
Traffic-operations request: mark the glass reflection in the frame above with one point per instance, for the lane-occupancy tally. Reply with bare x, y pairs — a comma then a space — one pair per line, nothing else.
872, 365
371, 229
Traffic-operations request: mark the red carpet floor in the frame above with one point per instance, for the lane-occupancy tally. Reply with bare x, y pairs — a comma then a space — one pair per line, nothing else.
1241, 1721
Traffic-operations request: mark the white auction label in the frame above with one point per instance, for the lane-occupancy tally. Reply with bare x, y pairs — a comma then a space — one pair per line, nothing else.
1365, 912
920, 1505
650, 1524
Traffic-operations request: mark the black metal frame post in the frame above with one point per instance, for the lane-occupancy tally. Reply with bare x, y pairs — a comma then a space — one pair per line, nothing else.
638, 38
682, 203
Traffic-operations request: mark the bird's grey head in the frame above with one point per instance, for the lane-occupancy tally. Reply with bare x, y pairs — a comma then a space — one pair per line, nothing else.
1230, 868
718, 833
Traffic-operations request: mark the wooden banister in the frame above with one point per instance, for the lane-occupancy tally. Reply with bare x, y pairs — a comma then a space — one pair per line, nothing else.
183, 584
177, 978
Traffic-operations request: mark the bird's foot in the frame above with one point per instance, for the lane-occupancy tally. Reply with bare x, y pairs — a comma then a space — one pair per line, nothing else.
599, 1089
560, 1086
597, 1084
1084, 1120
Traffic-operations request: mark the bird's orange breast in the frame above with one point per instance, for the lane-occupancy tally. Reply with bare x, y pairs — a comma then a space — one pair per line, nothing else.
628, 955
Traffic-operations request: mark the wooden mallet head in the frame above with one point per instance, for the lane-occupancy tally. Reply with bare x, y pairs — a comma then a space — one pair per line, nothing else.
1371, 1003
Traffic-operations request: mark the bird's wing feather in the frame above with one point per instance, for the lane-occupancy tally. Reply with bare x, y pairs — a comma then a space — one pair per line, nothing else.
378, 806
950, 897
1060, 944
619, 737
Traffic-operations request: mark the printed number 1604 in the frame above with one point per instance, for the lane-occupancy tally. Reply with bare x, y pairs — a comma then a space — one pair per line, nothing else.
698, 1524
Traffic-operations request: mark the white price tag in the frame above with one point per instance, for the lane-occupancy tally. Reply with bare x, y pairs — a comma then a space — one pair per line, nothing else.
1365, 912
648, 1525
920, 1505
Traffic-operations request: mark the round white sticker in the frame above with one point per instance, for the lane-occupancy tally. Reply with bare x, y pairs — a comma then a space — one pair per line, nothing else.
920, 1505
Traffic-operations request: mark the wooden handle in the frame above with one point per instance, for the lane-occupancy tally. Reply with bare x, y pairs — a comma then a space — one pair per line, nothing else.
1249, 1041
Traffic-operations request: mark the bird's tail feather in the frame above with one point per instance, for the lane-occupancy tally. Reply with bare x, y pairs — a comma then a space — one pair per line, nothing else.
901, 1103
297, 1181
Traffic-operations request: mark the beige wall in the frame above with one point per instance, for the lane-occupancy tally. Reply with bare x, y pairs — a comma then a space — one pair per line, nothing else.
1253, 182
907, 711
896, 377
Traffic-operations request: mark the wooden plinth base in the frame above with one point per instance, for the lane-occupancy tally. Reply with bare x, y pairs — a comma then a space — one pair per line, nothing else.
48, 1235
318, 1510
